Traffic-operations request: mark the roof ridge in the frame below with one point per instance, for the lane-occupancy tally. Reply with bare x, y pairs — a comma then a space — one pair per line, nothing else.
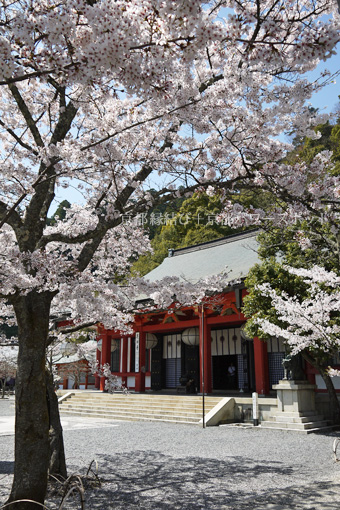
217, 242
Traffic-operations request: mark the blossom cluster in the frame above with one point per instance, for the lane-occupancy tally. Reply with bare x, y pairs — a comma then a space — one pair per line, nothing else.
133, 103
112, 382
306, 323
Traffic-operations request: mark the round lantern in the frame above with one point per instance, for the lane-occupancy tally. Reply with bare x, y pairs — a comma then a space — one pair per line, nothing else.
114, 344
150, 340
191, 336
244, 336
99, 345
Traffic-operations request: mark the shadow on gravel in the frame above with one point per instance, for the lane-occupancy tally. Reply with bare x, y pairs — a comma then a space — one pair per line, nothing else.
6, 467
317, 496
151, 480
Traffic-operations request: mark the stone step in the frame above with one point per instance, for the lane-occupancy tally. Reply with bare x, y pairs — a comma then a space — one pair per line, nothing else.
182, 409
135, 410
312, 425
142, 412
129, 398
131, 416
293, 414
138, 405
298, 419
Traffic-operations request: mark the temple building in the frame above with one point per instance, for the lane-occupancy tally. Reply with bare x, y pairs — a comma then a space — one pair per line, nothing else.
204, 344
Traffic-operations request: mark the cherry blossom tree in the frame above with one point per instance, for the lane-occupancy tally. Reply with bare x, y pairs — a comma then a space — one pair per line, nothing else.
308, 324
131, 102
8, 366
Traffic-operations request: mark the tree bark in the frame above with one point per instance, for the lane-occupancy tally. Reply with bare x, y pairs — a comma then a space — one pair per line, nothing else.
57, 463
32, 450
334, 404
3, 388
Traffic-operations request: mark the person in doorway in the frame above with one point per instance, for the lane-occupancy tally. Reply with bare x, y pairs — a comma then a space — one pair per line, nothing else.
232, 376
191, 386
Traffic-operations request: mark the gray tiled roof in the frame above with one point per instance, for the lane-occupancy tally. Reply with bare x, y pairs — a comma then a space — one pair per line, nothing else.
236, 254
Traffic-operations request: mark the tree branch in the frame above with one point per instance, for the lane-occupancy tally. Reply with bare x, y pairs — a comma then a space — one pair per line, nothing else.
26, 114
79, 327
17, 138
10, 216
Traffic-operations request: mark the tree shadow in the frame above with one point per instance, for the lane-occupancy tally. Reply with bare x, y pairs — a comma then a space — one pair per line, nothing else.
154, 481
6, 467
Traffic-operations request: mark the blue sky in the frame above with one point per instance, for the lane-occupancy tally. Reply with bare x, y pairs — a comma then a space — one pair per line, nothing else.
328, 97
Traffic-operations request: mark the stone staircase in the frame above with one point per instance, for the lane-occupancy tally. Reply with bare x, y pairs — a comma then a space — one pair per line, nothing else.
306, 422
137, 407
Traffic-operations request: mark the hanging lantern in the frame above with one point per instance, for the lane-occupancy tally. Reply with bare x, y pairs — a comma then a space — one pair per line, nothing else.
150, 340
114, 344
191, 336
243, 334
99, 345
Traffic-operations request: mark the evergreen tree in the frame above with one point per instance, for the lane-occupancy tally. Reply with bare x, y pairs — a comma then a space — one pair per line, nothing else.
60, 213
195, 222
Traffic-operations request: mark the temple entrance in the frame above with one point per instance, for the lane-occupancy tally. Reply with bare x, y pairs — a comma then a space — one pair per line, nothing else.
232, 360
172, 360
190, 366
225, 373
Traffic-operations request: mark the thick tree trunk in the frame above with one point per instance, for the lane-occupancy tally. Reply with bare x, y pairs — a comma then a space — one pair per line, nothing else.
31, 417
3, 388
57, 464
334, 404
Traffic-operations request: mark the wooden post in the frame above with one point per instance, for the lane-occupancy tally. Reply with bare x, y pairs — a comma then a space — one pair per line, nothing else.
140, 364
124, 356
106, 355
96, 377
205, 354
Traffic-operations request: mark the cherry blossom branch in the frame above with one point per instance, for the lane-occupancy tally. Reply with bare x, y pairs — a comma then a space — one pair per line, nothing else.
26, 114
18, 139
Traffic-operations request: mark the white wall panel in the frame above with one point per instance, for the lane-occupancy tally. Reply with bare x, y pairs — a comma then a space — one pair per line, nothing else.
225, 342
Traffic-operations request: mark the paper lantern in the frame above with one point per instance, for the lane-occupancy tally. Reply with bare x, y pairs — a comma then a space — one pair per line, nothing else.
191, 336
150, 340
114, 344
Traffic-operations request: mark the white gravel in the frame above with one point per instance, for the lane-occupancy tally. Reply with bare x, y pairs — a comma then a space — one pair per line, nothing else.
163, 466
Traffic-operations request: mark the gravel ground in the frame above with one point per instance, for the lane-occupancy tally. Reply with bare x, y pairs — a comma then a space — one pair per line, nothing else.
160, 466
7, 406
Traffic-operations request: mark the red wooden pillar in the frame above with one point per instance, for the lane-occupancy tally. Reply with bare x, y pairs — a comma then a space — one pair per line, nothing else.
106, 355
140, 354
96, 377
205, 354
261, 367
124, 355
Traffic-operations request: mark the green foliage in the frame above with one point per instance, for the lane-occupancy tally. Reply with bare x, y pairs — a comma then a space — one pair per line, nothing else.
308, 148
60, 212
283, 244
194, 223
166, 209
